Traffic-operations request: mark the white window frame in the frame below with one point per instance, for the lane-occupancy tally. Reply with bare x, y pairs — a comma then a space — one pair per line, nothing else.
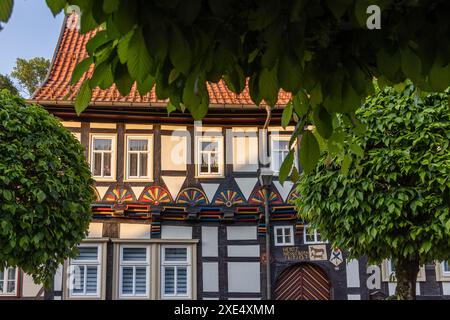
187, 264
5, 281
280, 137
135, 264
198, 152
283, 234
86, 263
445, 273
315, 241
149, 152
113, 152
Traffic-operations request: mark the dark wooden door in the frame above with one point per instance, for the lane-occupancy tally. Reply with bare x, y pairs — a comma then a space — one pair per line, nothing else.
303, 282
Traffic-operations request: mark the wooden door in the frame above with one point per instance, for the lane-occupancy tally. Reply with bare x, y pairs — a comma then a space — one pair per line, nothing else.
303, 282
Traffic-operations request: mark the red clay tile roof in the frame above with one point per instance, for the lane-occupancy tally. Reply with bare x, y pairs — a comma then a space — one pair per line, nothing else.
71, 50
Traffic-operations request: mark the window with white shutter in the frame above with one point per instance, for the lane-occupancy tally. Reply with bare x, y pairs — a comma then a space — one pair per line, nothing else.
8, 282
175, 271
84, 272
134, 271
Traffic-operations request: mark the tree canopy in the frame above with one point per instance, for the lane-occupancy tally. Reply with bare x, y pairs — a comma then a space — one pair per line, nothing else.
393, 202
31, 73
321, 51
6, 83
45, 190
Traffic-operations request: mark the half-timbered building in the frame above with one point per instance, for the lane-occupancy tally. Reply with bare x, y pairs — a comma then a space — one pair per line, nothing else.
179, 212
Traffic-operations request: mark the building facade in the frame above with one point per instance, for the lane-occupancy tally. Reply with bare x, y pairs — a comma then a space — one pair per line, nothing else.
179, 212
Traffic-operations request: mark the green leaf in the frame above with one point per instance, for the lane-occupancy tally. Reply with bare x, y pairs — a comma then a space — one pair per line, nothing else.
301, 103
123, 79
102, 77
110, 6
440, 77
56, 5
289, 73
268, 86
146, 86
97, 41
41, 196
357, 150
316, 97
122, 47
235, 79
287, 115
286, 167
83, 98
388, 64
180, 52
170, 108
309, 152
173, 75
323, 121
346, 162
80, 69
411, 64
6, 7
139, 61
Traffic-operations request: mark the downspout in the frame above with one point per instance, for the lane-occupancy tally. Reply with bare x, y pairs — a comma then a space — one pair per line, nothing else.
267, 213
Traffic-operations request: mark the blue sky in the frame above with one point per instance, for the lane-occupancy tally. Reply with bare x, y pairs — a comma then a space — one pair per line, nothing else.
32, 31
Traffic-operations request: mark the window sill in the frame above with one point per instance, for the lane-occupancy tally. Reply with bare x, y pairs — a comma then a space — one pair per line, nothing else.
138, 180
104, 179
210, 176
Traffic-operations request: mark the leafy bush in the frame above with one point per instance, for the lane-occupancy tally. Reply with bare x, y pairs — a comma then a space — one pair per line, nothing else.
45, 189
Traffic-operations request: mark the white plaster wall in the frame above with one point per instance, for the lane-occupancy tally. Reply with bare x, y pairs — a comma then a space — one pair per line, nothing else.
245, 154
243, 251
173, 152
175, 232
211, 277
244, 277
210, 242
95, 230
352, 269
242, 233
446, 288
134, 231
57, 285
29, 288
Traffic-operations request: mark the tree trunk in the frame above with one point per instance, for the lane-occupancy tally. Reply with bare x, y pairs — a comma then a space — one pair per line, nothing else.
406, 270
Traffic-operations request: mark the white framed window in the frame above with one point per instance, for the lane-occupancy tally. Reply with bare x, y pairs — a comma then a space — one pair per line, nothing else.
103, 156
209, 156
284, 236
445, 265
85, 272
175, 272
279, 149
8, 281
134, 278
139, 157
311, 235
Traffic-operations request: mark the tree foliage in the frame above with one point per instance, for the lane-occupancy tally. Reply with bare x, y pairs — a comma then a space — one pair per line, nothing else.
320, 50
45, 190
394, 201
31, 73
6, 83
